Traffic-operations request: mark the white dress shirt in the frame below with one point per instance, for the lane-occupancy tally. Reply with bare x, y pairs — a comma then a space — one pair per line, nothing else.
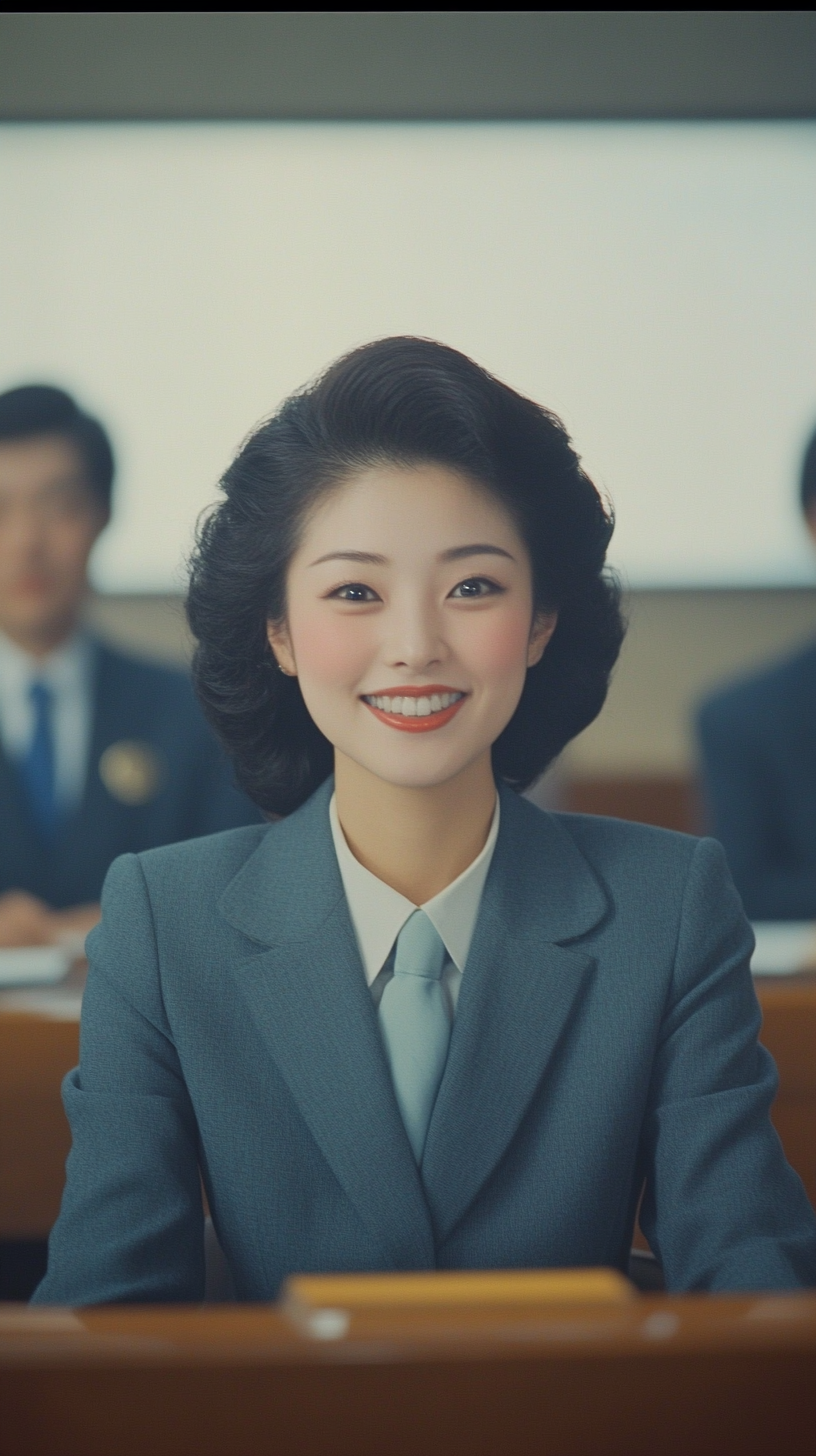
68, 673
378, 913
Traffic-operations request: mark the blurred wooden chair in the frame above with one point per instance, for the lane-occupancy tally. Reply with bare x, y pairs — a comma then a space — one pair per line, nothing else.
671, 801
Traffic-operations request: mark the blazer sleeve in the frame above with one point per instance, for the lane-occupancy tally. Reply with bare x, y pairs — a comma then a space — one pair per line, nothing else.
744, 804
722, 1208
131, 1224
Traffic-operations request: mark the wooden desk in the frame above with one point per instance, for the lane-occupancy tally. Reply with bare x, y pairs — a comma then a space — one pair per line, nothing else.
36, 1052
732, 1376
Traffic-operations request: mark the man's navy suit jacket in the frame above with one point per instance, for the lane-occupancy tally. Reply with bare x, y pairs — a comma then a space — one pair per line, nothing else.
606, 1033
758, 740
132, 700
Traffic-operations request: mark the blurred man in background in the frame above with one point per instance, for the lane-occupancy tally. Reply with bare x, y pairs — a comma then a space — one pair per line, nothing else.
758, 740
100, 753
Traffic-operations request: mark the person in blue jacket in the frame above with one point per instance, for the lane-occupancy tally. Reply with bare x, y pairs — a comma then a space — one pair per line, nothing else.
100, 752
417, 1022
758, 750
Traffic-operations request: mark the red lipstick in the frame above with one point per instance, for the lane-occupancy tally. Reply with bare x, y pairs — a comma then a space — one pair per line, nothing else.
425, 722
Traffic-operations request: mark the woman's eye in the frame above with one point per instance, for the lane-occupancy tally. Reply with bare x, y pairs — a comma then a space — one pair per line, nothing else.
475, 586
354, 591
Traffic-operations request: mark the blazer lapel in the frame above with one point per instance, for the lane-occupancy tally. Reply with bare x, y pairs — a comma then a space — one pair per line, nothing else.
309, 999
518, 995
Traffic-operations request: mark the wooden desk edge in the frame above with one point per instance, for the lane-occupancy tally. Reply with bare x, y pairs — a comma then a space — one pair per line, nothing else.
262, 1334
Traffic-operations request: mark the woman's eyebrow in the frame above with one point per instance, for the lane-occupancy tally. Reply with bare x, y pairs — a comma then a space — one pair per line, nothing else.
455, 553
368, 558
481, 548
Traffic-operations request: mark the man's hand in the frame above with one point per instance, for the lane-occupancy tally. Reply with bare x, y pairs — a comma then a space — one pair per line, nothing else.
25, 920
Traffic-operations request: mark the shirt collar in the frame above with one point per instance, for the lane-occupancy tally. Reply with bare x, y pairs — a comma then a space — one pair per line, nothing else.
64, 670
378, 913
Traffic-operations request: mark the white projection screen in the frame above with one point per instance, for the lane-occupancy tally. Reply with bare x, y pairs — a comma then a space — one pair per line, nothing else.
653, 283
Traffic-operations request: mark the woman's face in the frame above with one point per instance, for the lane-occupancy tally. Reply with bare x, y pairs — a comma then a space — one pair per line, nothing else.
410, 622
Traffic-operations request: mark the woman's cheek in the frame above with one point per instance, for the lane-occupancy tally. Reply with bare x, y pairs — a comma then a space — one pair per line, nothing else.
496, 644
330, 649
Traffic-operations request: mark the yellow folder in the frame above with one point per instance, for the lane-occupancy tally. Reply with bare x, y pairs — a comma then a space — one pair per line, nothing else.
304, 1294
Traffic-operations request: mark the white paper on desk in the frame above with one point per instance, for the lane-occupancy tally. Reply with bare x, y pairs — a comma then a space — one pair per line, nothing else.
53, 1003
784, 947
34, 965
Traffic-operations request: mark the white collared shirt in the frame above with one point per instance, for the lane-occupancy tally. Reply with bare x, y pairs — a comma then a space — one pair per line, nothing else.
68, 673
378, 913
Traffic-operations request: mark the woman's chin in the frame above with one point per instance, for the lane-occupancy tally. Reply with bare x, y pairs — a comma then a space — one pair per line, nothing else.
410, 770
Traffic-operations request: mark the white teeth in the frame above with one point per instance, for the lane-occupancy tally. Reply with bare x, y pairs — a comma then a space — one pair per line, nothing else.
420, 707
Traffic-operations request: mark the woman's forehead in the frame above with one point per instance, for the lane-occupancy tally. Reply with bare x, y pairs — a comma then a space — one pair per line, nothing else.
387, 506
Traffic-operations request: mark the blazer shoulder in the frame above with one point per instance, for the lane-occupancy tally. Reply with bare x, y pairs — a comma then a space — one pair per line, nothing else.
625, 855
650, 878
601, 835
209, 854
651, 872
194, 870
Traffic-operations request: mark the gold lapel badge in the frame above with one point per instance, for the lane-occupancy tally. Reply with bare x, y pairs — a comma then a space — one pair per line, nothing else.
132, 771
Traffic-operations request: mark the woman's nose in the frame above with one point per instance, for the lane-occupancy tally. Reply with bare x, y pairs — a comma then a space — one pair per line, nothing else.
415, 640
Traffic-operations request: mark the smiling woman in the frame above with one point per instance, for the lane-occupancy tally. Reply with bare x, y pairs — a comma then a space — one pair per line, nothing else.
412, 646
407, 526
396, 430
417, 1023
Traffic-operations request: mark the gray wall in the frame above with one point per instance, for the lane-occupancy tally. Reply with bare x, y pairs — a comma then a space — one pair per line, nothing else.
412, 64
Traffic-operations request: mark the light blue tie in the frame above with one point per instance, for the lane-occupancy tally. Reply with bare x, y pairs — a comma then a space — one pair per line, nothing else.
415, 1025
37, 768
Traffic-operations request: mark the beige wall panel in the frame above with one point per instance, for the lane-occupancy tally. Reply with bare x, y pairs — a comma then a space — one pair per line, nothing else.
680, 644
151, 626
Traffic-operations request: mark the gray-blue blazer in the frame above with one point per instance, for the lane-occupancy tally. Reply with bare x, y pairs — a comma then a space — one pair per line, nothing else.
606, 1033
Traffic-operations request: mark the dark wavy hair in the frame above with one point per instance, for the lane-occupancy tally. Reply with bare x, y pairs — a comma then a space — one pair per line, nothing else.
42, 409
403, 401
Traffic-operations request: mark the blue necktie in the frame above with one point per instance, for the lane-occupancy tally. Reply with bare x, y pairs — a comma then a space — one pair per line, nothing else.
415, 1025
37, 768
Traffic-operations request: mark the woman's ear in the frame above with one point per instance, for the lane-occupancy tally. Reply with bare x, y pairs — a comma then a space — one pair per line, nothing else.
278, 639
544, 624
